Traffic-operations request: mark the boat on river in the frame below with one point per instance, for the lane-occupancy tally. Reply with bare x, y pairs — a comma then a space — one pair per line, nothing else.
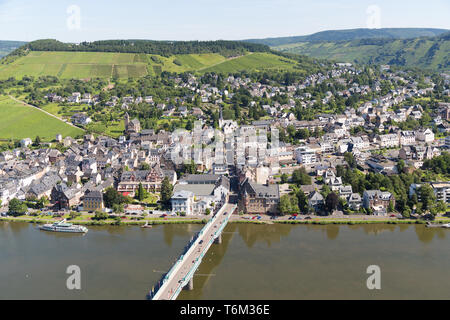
146, 225
438, 225
63, 226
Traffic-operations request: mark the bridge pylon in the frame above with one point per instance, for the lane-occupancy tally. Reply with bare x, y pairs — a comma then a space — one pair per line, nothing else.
218, 240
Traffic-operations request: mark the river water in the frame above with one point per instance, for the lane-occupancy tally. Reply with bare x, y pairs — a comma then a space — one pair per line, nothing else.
253, 262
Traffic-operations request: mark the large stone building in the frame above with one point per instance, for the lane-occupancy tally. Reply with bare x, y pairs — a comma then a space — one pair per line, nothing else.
259, 199
151, 180
93, 201
378, 201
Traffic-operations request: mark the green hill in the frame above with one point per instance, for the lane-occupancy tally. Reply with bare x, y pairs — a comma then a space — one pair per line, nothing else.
424, 52
353, 34
84, 65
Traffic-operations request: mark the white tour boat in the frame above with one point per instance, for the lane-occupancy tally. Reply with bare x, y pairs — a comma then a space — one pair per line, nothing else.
63, 226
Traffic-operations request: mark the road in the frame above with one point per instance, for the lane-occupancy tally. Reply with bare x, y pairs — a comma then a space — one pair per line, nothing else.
170, 287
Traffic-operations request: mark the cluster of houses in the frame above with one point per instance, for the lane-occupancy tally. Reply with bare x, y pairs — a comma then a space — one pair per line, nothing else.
236, 159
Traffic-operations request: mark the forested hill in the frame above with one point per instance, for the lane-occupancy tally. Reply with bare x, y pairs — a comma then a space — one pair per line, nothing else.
163, 48
353, 34
422, 52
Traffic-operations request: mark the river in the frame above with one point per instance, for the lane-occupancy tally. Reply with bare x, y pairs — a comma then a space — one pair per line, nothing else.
253, 262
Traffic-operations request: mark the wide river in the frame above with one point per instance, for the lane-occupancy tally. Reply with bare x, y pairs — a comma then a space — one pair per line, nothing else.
253, 262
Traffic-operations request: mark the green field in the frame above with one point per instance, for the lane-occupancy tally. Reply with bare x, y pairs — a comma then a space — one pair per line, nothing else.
18, 121
85, 65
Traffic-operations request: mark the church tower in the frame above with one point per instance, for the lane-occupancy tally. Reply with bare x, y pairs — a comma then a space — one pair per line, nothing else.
221, 117
127, 121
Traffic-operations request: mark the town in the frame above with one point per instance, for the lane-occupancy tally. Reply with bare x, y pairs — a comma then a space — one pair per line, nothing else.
348, 142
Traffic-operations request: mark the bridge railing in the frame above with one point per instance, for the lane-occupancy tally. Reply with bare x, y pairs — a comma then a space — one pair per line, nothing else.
186, 249
194, 268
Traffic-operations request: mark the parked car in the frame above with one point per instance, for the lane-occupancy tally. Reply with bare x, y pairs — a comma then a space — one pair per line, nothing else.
164, 215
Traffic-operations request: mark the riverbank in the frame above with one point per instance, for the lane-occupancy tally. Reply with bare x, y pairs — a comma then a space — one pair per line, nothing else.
234, 219
107, 222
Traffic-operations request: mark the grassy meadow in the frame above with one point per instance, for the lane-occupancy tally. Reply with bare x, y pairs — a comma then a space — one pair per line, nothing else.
18, 121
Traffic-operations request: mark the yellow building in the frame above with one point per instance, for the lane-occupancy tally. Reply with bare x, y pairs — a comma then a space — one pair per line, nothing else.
93, 201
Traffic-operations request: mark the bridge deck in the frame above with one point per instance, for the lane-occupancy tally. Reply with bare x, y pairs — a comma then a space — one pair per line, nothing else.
183, 270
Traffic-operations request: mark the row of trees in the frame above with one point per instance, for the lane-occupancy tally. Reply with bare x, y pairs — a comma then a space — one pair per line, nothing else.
163, 48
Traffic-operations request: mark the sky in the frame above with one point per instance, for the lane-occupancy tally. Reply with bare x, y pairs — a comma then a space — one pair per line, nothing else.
82, 20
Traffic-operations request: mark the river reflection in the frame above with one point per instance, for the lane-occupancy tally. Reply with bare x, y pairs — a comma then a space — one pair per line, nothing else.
252, 262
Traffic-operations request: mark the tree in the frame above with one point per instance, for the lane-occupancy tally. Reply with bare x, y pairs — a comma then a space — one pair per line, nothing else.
325, 191
302, 201
208, 211
301, 177
288, 204
37, 141
331, 202
441, 206
100, 215
391, 207
350, 159
145, 166
285, 204
141, 193
41, 203
166, 191
112, 197
401, 166
427, 196
406, 213
17, 207
118, 208
284, 178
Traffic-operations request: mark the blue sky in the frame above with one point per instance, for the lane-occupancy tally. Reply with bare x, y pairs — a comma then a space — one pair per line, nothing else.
208, 19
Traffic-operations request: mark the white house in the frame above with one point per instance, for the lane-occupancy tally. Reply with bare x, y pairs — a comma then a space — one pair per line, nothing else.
407, 138
425, 135
388, 140
305, 155
183, 201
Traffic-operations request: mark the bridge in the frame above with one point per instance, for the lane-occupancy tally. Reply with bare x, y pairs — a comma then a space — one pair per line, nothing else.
182, 272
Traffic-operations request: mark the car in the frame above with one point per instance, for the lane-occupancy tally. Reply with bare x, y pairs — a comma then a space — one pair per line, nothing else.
308, 218
225, 213
164, 215
393, 216
259, 217
201, 241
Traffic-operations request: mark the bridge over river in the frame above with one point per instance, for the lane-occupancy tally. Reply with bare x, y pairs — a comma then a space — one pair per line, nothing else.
182, 272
